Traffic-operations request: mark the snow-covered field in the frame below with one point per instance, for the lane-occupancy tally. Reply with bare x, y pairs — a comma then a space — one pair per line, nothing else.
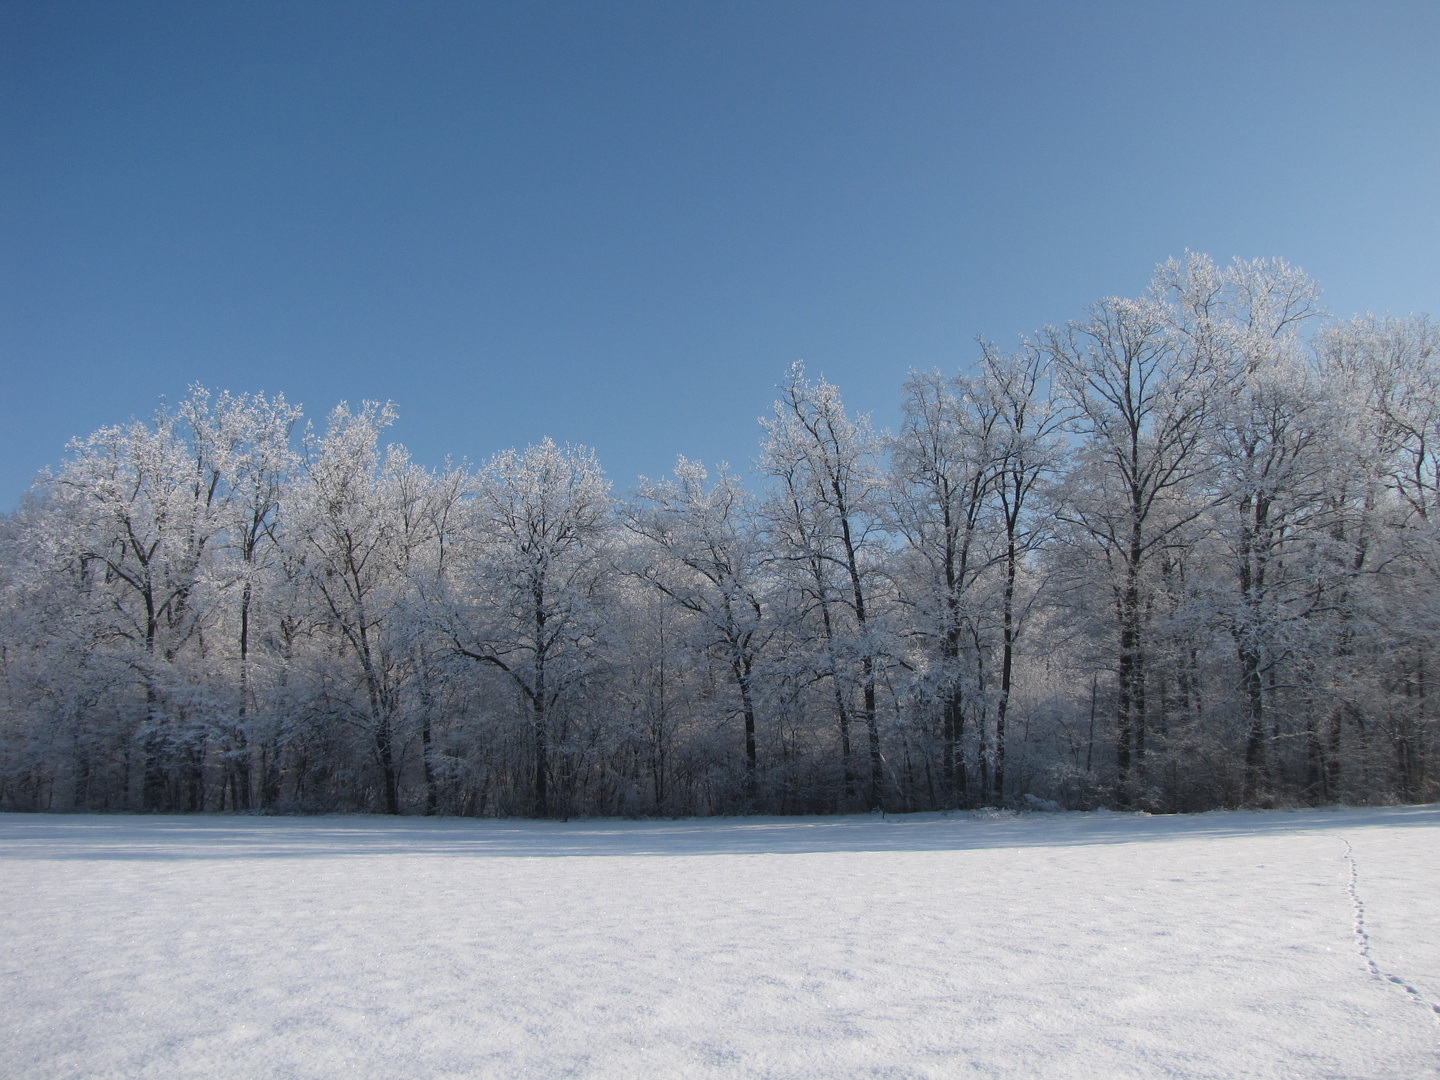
1219, 945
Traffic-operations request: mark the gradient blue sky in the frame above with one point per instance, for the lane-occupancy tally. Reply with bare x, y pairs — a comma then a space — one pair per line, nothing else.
617, 224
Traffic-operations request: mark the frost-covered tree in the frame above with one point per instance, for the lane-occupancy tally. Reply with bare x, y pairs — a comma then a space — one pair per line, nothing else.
702, 553
349, 533
250, 435
146, 500
824, 522
1266, 435
1385, 559
944, 464
1140, 394
527, 599
1028, 451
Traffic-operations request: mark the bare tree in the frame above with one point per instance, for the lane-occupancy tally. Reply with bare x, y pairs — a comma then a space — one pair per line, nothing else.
527, 599
702, 554
1028, 451
1140, 396
1266, 434
943, 468
349, 530
827, 519
151, 520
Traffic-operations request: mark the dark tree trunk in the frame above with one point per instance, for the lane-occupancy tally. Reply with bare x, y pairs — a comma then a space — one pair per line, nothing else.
1256, 766
1007, 666
542, 759
385, 750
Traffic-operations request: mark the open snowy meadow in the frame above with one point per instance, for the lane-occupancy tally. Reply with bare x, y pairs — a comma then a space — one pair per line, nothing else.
1283, 944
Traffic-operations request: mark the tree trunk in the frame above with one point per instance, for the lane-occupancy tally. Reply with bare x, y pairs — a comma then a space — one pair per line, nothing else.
740, 668
385, 750
1130, 703
542, 764
1007, 664
1256, 767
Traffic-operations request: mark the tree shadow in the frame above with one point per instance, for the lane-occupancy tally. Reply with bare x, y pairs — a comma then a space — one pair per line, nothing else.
228, 837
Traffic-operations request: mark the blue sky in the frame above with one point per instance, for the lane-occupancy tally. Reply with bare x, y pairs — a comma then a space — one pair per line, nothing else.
618, 224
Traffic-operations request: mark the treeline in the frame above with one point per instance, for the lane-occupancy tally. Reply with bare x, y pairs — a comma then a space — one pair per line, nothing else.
1178, 554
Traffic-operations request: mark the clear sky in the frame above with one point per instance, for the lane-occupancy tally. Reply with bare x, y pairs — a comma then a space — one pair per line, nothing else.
618, 223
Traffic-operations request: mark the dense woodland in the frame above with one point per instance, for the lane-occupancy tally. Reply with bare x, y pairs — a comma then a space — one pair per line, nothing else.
1179, 553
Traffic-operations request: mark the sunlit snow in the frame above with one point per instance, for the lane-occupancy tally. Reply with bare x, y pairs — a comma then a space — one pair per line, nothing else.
1296, 944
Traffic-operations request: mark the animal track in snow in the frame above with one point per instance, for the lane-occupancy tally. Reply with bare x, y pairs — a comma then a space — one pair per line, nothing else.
1362, 936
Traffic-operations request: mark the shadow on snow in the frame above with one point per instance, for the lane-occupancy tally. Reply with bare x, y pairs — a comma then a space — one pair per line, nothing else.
193, 837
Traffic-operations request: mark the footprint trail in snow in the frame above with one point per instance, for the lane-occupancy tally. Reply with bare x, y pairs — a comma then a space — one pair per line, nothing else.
1362, 937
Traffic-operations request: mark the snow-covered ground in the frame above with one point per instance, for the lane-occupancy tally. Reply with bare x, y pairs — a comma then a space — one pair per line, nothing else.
1072, 945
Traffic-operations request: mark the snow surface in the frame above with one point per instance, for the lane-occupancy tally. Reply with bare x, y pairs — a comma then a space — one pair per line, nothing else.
1048, 945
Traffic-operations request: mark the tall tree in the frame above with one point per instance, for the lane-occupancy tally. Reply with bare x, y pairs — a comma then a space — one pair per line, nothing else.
1386, 371
943, 469
702, 554
1139, 396
1028, 451
252, 437
430, 510
349, 529
1266, 436
527, 600
149, 497
828, 519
